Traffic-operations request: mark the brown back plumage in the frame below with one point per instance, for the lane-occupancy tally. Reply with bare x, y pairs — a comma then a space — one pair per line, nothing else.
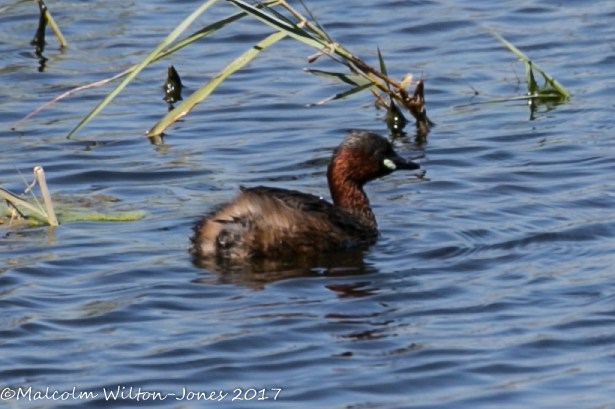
265, 221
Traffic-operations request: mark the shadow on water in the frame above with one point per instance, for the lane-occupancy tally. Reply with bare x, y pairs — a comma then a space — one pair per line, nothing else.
256, 274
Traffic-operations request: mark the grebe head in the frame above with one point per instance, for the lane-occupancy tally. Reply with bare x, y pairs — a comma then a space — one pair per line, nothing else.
364, 156
361, 157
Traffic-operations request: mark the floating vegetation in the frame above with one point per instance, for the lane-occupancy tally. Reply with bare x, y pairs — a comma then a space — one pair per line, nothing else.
18, 206
287, 22
550, 89
550, 92
75, 208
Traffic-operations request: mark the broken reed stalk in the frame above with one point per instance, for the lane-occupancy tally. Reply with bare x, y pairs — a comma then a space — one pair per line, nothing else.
39, 174
16, 202
45, 11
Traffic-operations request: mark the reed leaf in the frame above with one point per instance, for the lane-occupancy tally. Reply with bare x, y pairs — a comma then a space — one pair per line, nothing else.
321, 30
529, 65
275, 13
497, 101
532, 86
205, 31
356, 80
345, 94
292, 31
383, 68
168, 40
202, 93
18, 202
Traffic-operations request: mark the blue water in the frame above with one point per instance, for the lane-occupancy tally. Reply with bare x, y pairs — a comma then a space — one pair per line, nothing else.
492, 284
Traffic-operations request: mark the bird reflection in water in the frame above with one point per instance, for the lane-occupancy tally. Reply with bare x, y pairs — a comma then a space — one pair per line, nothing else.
256, 274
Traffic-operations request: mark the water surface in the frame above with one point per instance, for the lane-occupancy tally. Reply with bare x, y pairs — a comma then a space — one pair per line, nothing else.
492, 283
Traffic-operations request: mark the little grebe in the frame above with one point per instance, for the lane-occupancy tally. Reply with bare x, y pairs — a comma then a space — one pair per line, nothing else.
270, 222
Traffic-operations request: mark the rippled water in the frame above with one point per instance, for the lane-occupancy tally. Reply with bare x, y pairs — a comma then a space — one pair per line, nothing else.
492, 283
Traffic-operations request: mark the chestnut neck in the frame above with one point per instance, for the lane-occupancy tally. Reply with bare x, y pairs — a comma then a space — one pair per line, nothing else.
346, 175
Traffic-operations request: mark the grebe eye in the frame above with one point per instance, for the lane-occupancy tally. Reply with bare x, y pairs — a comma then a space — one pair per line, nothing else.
389, 164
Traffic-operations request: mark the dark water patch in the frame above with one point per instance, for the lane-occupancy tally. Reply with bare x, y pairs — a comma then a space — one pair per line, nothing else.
437, 26
102, 177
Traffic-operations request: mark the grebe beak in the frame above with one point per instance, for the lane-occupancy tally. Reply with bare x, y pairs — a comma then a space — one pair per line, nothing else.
398, 163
